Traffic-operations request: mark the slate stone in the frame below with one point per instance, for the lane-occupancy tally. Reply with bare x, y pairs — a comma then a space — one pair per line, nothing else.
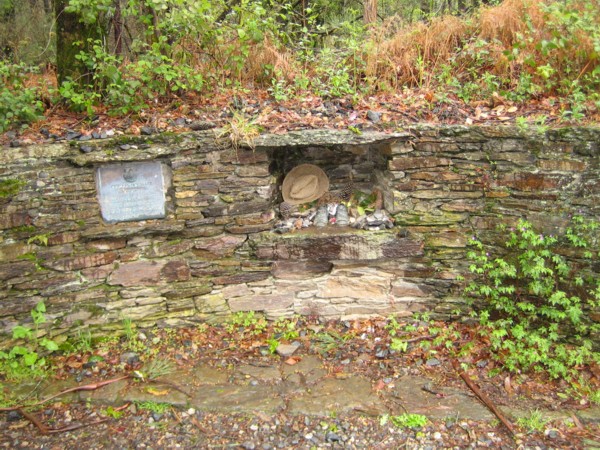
147, 131
373, 116
72, 135
337, 396
237, 398
137, 273
286, 350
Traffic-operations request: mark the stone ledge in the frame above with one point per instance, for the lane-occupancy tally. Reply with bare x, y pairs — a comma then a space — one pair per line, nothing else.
331, 245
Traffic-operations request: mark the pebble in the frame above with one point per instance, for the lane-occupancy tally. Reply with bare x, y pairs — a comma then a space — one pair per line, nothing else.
332, 437
14, 416
72, 135
287, 349
130, 358
373, 116
432, 362
382, 353
86, 148
147, 131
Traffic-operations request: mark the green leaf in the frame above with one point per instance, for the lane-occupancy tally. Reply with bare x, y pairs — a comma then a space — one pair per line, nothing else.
30, 358
21, 332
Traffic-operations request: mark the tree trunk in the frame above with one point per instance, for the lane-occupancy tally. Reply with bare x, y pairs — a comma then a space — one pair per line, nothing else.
370, 11
118, 28
69, 31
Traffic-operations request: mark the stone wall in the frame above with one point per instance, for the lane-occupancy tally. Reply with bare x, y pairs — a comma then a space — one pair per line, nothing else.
214, 253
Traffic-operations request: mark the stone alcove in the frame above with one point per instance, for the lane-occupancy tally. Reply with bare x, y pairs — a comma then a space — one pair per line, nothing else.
364, 163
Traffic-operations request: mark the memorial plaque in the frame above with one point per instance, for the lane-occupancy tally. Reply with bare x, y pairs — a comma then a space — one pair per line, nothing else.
131, 191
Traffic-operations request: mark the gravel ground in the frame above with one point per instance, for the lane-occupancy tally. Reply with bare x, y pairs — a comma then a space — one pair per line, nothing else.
238, 358
191, 429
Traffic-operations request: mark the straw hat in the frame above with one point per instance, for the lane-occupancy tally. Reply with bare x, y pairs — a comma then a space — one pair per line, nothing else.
303, 184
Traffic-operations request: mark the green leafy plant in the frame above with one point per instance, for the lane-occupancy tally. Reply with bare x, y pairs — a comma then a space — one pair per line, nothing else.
156, 368
532, 301
129, 329
286, 329
24, 359
113, 413
84, 341
18, 104
240, 131
406, 420
534, 421
330, 340
41, 239
246, 322
154, 407
273, 343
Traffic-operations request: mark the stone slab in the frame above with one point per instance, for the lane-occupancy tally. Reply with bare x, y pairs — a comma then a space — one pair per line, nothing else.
237, 398
338, 396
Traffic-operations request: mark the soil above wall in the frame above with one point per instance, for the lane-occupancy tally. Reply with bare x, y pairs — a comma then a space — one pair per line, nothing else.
214, 252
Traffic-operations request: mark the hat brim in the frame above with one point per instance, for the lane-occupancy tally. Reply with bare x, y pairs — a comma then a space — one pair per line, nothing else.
300, 171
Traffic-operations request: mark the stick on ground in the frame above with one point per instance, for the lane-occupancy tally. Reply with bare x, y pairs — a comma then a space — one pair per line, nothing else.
484, 398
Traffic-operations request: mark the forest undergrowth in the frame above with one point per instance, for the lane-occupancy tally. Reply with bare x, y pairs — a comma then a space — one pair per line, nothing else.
537, 62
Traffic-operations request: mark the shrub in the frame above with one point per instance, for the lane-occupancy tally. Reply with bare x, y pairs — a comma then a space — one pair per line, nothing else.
533, 301
18, 104
23, 360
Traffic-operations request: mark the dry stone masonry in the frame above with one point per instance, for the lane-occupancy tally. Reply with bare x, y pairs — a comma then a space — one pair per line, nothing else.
180, 228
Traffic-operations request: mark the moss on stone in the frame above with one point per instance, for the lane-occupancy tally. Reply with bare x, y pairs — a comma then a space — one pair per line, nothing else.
94, 310
24, 229
10, 187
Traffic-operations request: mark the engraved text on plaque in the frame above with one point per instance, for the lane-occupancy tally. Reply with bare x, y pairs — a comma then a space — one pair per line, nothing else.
131, 191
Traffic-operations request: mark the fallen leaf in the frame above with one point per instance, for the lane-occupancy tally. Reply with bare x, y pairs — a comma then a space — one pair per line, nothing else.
379, 385
576, 421
469, 121
157, 392
508, 387
291, 361
512, 109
